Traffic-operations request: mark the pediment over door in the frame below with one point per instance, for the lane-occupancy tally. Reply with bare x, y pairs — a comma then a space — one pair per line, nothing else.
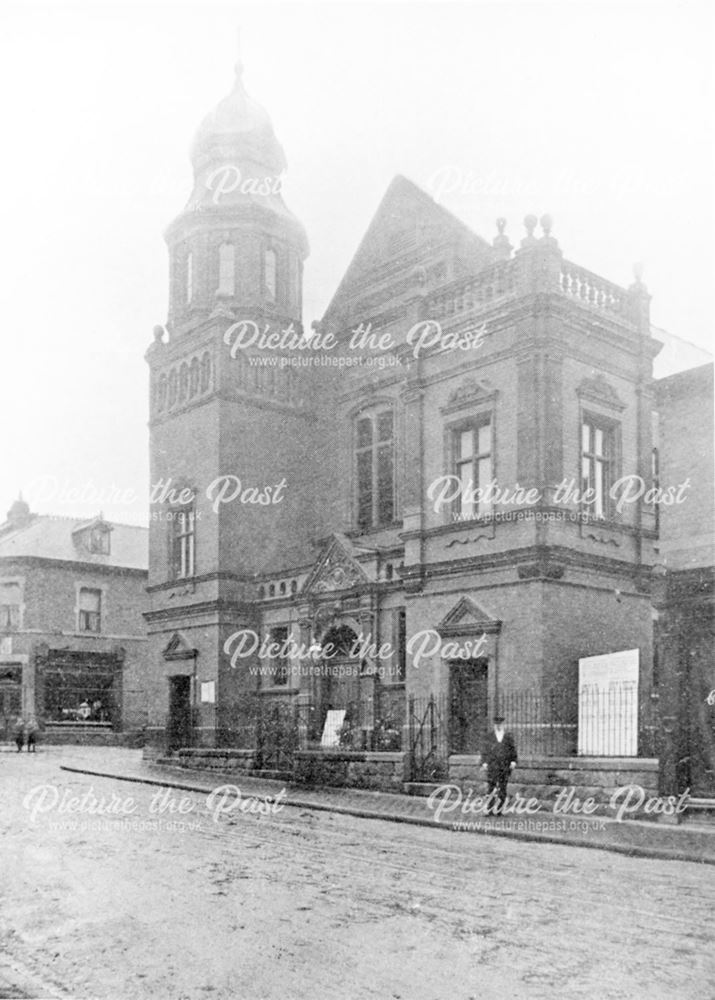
337, 569
468, 618
178, 648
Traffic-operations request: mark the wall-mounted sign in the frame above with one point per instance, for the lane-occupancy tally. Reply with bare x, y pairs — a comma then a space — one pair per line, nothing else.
208, 692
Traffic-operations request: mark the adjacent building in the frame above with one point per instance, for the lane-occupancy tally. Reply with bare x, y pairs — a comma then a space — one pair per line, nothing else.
686, 585
72, 636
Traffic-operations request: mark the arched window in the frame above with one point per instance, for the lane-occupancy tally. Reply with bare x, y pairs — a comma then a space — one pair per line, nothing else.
205, 372
226, 269
163, 389
172, 386
183, 382
194, 377
375, 468
189, 277
294, 272
269, 274
339, 642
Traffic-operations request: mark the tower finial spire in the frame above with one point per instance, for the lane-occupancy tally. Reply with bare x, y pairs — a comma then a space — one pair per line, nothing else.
239, 60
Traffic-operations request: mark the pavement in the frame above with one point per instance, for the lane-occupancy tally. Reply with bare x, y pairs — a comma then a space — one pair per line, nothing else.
688, 841
121, 890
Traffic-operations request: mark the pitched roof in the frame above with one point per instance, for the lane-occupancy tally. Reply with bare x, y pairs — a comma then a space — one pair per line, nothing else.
405, 210
46, 536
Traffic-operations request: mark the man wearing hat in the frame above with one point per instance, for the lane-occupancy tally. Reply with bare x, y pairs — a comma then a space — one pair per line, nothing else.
499, 761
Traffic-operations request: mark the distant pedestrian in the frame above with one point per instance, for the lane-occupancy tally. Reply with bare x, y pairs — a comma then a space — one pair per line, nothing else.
499, 761
19, 733
31, 731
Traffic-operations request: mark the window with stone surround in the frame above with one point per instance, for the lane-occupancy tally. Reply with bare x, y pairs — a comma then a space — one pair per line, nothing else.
183, 542
599, 453
89, 612
472, 461
375, 468
10, 603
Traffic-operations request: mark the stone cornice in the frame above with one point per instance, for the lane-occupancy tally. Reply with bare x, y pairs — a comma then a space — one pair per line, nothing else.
43, 562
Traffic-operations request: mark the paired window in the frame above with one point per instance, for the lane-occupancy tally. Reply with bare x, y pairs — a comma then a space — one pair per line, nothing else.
90, 610
183, 543
598, 458
10, 600
473, 466
375, 454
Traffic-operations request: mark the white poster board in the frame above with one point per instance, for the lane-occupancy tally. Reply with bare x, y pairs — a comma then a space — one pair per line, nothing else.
208, 692
331, 730
608, 704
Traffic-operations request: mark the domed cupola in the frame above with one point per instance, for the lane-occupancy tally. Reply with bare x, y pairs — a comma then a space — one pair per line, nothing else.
238, 128
236, 245
236, 157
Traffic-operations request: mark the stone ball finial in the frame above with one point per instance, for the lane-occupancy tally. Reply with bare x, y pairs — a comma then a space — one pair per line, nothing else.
638, 271
158, 334
546, 224
530, 224
501, 225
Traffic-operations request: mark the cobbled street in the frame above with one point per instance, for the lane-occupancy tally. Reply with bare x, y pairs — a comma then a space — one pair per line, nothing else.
304, 904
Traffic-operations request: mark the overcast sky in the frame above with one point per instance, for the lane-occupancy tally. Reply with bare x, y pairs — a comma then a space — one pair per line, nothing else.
599, 114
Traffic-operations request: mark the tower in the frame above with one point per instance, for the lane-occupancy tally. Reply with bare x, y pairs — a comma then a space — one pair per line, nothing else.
223, 431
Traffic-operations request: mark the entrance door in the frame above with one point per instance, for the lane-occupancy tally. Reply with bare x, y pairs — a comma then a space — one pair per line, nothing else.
179, 734
469, 705
10, 699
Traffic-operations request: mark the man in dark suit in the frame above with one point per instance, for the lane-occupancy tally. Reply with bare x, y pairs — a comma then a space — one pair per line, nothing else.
499, 761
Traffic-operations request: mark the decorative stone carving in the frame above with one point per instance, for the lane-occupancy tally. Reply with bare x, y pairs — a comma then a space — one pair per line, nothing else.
470, 390
466, 541
599, 390
602, 539
337, 570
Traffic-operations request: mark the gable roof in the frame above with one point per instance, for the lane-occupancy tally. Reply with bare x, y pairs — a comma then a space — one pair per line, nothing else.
45, 536
404, 212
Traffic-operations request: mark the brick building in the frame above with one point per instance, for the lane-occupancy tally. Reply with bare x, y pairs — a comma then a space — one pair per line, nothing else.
317, 487
685, 595
72, 636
